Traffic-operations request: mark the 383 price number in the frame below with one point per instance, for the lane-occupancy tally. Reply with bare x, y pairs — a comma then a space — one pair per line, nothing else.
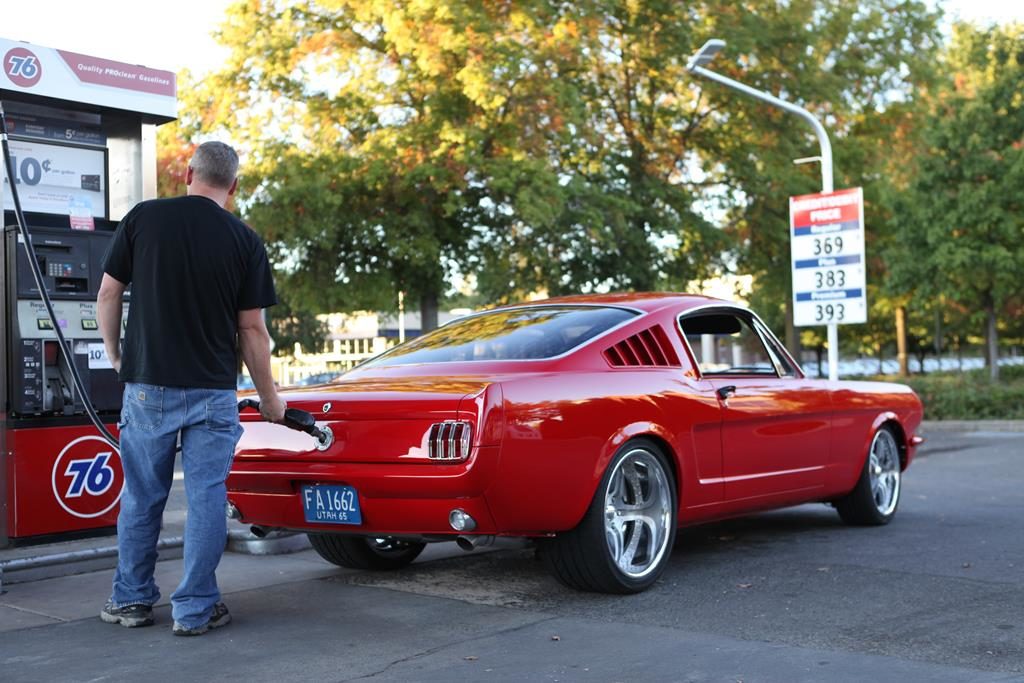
829, 279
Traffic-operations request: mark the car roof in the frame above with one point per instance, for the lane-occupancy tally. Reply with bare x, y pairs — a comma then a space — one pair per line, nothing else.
649, 302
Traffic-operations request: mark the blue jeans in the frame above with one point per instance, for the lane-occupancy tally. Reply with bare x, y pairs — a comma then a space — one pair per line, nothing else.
152, 417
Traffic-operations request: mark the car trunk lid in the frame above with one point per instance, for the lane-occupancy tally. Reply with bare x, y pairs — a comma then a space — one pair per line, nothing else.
383, 420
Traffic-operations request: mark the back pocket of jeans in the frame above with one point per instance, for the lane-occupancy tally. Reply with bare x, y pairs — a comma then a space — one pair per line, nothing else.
222, 412
143, 406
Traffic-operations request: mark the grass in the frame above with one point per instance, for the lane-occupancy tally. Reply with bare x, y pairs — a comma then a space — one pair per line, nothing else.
969, 395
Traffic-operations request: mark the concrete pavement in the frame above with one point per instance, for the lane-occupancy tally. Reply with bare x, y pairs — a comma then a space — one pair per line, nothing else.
791, 595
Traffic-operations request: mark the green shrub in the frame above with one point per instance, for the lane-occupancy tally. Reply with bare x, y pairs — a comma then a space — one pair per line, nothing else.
971, 395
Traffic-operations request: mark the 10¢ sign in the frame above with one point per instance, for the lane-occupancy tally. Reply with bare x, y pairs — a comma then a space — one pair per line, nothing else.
87, 477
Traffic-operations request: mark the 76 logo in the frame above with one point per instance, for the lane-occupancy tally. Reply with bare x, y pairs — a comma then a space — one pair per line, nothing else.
23, 67
93, 476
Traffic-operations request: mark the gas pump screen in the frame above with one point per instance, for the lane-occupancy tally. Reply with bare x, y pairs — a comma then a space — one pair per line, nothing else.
59, 179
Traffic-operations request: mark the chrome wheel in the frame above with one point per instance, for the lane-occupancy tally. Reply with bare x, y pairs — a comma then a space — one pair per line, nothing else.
638, 513
884, 472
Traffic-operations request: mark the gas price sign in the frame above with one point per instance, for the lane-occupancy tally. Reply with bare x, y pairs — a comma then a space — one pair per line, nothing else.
827, 250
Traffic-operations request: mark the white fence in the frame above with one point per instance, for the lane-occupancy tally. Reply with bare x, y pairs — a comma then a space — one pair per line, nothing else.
344, 354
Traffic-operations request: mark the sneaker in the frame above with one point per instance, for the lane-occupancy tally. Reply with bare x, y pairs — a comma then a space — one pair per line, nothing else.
220, 617
129, 616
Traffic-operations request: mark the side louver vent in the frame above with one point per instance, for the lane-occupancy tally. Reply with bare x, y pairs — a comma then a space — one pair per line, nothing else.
449, 441
648, 348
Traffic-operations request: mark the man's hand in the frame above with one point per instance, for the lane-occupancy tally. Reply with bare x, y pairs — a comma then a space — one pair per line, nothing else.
272, 408
116, 364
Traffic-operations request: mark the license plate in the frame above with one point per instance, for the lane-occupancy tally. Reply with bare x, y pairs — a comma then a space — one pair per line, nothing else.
331, 505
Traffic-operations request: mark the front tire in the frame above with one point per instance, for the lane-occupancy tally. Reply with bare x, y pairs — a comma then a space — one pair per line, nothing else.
363, 552
874, 499
625, 539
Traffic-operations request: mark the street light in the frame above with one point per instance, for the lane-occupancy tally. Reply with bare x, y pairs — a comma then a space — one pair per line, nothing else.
697, 65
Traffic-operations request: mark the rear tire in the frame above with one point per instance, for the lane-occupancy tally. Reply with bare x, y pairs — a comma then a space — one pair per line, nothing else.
364, 552
625, 539
873, 501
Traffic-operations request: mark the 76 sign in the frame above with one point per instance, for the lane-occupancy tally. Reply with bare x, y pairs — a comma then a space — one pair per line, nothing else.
22, 66
87, 477
93, 476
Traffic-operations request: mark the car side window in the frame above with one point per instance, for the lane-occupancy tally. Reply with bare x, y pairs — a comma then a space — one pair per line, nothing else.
726, 344
775, 349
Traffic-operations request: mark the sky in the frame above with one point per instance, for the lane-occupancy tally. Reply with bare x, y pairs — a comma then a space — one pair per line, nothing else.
170, 36
180, 34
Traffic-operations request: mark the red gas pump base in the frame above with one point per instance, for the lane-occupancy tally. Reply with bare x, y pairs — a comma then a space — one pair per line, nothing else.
62, 483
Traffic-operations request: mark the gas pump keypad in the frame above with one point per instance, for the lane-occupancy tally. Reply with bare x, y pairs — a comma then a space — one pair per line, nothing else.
55, 269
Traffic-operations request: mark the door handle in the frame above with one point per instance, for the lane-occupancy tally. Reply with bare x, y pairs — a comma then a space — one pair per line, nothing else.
725, 393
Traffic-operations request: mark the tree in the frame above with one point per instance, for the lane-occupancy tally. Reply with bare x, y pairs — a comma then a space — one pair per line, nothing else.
173, 154
381, 136
537, 145
630, 172
849, 63
962, 235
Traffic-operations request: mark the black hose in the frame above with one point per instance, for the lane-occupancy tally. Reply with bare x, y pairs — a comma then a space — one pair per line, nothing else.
38, 276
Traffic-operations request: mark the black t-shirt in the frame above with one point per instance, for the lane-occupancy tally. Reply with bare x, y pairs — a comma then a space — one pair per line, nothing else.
192, 266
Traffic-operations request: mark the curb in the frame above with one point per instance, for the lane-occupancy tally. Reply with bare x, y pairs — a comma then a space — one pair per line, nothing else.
1008, 426
54, 565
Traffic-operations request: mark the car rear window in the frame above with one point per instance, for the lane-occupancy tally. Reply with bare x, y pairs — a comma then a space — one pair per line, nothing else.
531, 333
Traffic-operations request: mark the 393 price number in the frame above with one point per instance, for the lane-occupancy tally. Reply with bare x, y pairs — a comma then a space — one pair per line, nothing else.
829, 312
829, 279
828, 245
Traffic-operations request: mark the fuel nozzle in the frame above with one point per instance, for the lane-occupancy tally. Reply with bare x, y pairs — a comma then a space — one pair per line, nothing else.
299, 420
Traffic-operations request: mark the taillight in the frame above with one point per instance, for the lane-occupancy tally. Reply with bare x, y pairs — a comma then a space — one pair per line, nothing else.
449, 440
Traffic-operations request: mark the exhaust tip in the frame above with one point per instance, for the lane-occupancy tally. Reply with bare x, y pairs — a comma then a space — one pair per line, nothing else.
259, 531
468, 543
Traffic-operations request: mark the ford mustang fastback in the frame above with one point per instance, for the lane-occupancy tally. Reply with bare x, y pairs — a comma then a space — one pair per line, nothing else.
596, 425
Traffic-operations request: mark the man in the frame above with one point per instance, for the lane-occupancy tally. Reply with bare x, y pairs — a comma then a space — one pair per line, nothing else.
200, 279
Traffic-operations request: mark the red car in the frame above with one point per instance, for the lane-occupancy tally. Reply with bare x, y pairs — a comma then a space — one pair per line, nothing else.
595, 424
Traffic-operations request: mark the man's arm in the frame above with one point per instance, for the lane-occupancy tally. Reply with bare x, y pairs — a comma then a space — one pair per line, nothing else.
254, 342
108, 311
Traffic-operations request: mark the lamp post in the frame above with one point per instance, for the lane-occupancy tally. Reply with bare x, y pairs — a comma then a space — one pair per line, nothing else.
697, 65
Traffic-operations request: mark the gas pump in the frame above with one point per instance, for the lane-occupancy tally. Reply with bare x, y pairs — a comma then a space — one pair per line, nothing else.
83, 145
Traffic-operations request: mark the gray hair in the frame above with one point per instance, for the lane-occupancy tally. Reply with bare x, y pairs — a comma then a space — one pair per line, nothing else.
215, 164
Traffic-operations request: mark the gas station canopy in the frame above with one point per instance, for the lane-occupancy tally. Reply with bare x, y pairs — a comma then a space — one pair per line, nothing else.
43, 72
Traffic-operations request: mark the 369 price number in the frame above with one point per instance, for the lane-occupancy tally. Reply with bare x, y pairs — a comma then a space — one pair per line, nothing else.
828, 245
